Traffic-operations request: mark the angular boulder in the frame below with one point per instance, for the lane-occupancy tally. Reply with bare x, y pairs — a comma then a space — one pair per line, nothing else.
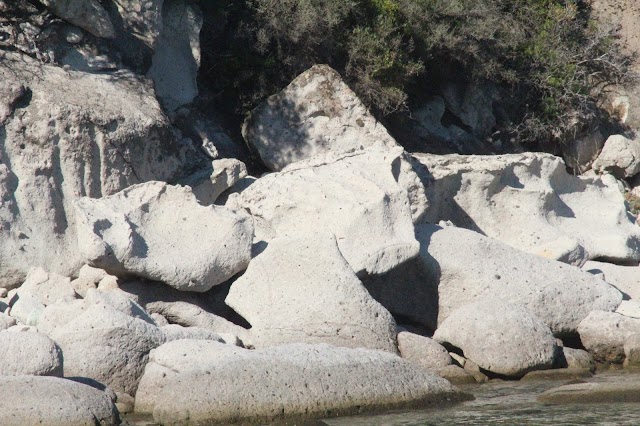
467, 266
147, 229
604, 334
316, 114
423, 351
355, 196
530, 202
68, 134
303, 290
29, 354
499, 337
291, 381
86, 14
30, 400
108, 346
620, 156
176, 59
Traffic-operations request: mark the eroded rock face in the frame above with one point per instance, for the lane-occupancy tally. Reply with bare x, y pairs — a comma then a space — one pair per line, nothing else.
357, 197
147, 230
530, 202
500, 337
65, 135
298, 380
316, 114
303, 290
29, 400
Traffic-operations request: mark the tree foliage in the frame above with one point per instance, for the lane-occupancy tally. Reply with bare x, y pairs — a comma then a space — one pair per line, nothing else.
549, 55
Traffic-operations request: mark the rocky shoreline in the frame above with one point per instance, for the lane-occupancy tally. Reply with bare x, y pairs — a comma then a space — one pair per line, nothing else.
144, 270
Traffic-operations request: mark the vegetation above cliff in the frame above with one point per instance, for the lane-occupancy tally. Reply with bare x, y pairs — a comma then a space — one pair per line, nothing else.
550, 59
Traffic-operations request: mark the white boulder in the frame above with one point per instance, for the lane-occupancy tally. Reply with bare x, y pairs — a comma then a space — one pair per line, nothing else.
176, 59
620, 156
316, 114
530, 202
468, 266
499, 337
291, 381
303, 290
86, 14
177, 332
106, 345
357, 197
624, 278
29, 354
423, 351
48, 288
31, 400
147, 230
604, 334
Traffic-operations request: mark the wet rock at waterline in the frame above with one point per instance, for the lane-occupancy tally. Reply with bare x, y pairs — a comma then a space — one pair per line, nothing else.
593, 393
500, 337
291, 381
30, 400
303, 290
146, 230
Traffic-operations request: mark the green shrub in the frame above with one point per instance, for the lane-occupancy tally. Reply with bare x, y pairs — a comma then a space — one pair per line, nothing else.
548, 57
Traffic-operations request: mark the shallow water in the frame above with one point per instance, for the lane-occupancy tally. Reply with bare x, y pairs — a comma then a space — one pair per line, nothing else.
499, 403
510, 403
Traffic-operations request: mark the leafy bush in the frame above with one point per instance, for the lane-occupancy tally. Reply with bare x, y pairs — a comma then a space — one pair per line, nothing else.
548, 55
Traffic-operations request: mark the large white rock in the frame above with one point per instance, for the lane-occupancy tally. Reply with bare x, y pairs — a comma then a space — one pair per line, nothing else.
31, 400
148, 230
620, 156
298, 380
176, 59
468, 266
530, 202
604, 334
303, 290
499, 337
65, 135
316, 114
624, 278
86, 14
29, 354
355, 196
60, 314
106, 345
